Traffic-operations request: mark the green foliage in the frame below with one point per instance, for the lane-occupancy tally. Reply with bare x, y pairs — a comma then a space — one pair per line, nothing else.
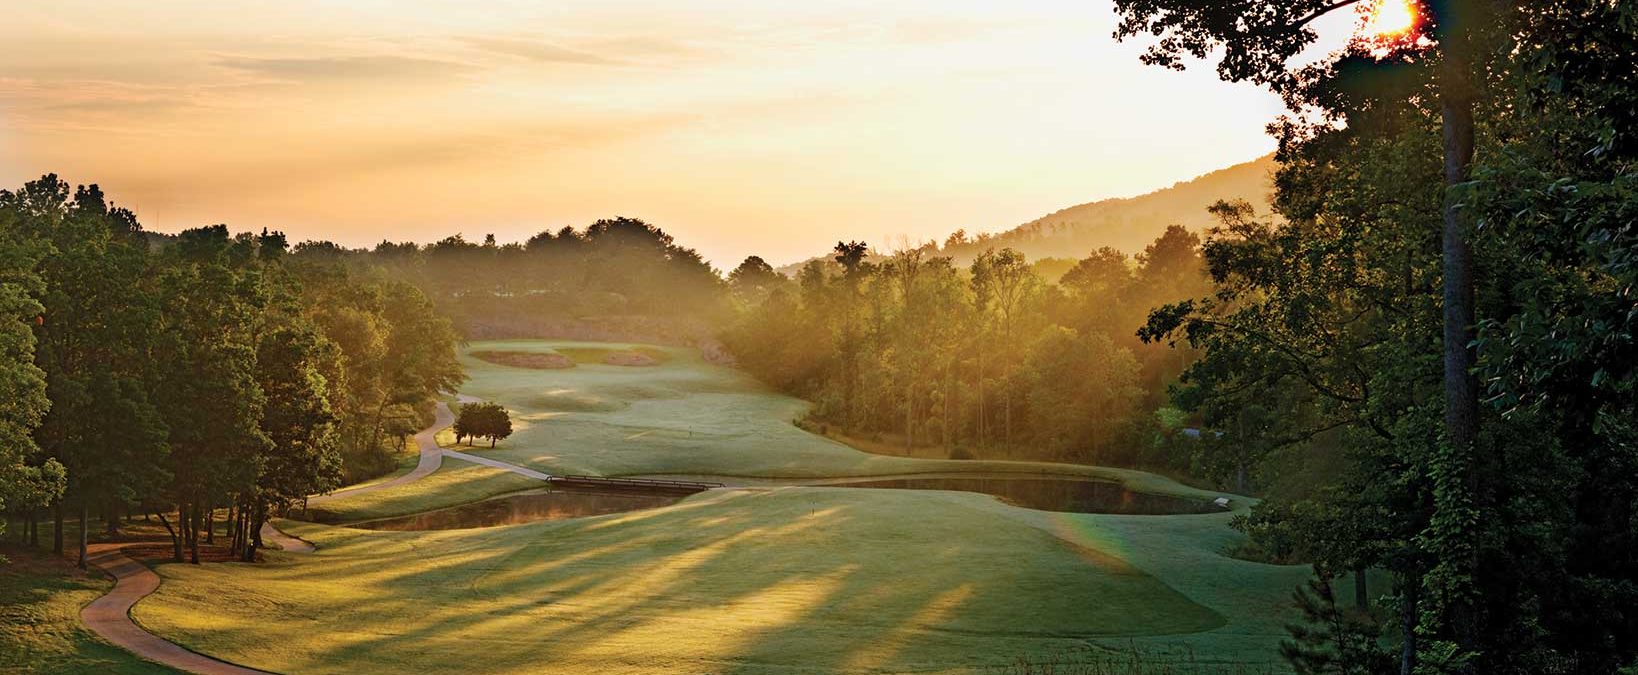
986, 361
483, 420
555, 282
1333, 640
1513, 549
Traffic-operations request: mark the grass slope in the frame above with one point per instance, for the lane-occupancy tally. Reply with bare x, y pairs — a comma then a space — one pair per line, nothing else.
689, 417
744, 581
747, 581
456, 482
40, 629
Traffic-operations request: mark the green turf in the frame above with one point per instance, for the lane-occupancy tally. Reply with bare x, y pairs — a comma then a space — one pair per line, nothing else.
742, 581
456, 482
689, 417
745, 581
40, 629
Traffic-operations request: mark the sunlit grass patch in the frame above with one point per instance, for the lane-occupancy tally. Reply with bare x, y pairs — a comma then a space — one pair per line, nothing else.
748, 581
40, 629
456, 482
615, 355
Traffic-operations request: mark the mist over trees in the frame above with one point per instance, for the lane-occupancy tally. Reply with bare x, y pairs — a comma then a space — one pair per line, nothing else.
617, 278
987, 360
189, 374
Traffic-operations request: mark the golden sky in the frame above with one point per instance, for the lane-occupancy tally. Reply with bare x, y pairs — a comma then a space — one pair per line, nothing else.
739, 126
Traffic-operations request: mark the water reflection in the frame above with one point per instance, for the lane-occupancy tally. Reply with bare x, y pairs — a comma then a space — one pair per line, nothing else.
526, 507
1055, 494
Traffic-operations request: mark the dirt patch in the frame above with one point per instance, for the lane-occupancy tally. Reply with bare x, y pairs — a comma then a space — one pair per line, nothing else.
531, 360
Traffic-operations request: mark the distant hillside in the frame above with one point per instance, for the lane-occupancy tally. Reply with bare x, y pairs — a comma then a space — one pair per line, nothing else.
1132, 223
1128, 224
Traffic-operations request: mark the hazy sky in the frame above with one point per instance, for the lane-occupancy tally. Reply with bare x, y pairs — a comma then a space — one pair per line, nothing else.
740, 127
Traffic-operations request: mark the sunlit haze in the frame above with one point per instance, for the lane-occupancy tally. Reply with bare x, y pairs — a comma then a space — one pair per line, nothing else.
1392, 18
740, 127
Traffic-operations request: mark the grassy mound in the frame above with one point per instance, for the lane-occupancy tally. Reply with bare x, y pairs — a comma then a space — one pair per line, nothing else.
746, 581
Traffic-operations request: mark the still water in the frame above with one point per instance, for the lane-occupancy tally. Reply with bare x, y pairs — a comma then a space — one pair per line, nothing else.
526, 507
1054, 494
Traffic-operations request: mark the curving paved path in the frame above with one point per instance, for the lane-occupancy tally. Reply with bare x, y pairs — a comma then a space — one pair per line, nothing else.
110, 616
432, 457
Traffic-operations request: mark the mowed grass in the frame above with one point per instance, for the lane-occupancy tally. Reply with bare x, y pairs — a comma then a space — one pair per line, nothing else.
773, 579
455, 482
40, 629
689, 417
744, 581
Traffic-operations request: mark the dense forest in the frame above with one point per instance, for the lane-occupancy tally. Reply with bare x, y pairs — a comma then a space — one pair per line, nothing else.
182, 375
1444, 292
618, 278
1001, 358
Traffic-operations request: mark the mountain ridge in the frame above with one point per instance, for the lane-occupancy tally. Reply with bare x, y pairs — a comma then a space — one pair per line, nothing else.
1127, 224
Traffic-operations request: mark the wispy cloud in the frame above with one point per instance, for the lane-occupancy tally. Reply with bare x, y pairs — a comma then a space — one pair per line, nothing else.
538, 51
347, 68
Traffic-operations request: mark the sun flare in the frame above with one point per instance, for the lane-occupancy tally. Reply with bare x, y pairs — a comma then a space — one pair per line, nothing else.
1392, 18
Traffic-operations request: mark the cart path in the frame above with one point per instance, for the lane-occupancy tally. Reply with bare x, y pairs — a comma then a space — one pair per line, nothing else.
432, 458
110, 617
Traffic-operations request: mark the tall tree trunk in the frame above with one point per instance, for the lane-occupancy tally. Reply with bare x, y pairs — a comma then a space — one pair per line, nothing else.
1362, 598
1409, 588
910, 415
980, 429
85, 528
1460, 382
176, 537
210, 524
946, 428
57, 532
193, 544
253, 530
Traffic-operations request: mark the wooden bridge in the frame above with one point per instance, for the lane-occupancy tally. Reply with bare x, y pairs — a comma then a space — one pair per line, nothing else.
645, 485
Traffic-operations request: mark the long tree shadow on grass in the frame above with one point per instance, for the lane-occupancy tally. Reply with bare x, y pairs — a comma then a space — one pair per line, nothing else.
740, 581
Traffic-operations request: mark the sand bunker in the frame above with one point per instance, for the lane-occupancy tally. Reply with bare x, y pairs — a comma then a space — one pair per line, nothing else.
532, 360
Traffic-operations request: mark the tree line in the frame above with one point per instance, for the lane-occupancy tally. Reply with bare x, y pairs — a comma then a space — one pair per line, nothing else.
986, 360
1443, 301
623, 276
182, 375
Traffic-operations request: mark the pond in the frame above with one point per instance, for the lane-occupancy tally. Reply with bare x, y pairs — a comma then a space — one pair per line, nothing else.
1053, 494
525, 507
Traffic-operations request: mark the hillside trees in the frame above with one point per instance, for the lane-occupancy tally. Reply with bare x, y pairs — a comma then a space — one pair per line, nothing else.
393, 349
988, 360
606, 273
195, 377
207, 389
27, 480
303, 457
92, 333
